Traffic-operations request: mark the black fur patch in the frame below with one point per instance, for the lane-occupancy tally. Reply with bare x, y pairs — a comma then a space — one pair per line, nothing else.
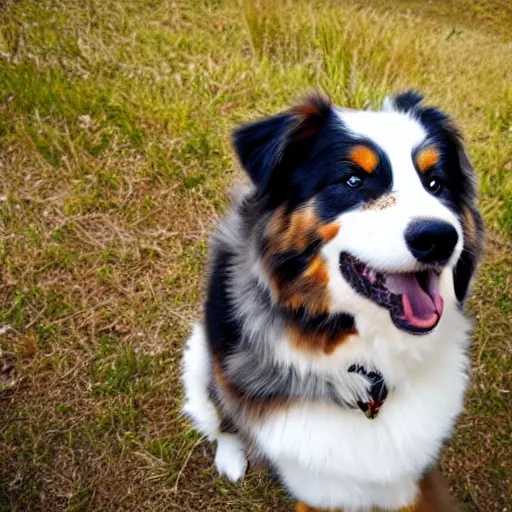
223, 330
333, 324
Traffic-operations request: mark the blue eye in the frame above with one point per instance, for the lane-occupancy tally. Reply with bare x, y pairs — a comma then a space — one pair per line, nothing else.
435, 186
354, 181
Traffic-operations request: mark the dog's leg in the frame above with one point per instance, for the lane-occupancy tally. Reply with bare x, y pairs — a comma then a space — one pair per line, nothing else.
230, 459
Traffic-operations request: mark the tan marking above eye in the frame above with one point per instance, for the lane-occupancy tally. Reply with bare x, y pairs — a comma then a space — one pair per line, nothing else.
427, 158
365, 158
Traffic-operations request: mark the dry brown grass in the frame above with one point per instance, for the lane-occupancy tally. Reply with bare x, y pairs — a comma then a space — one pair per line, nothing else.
114, 163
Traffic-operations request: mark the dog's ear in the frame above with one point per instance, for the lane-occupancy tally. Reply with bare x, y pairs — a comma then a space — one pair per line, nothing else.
403, 102
267, 146
471, 255
472, 225
260, 146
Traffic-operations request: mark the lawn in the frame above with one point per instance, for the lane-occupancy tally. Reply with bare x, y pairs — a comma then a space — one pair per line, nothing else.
114, 164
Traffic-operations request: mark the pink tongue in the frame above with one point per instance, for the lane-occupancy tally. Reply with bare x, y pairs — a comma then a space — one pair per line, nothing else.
420, 308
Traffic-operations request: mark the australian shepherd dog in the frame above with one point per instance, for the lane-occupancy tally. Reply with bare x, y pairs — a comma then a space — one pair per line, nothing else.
334, 344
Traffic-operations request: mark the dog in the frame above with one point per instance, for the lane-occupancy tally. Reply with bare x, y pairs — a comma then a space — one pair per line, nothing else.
334, 343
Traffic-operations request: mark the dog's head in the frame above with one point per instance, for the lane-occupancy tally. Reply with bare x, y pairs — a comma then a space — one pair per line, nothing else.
368, 212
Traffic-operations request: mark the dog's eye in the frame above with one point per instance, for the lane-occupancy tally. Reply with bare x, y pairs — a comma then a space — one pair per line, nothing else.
354, 181
434, 186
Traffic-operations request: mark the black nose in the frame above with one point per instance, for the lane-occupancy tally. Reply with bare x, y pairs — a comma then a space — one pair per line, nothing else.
431, 241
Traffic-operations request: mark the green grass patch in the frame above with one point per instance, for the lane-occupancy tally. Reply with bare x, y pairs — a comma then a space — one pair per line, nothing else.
127, 372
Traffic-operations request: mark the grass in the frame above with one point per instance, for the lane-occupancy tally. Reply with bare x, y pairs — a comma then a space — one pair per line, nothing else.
114, 163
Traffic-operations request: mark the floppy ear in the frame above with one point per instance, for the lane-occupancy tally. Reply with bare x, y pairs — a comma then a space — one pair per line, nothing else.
266, 147
260, 146
473, 228
471, 253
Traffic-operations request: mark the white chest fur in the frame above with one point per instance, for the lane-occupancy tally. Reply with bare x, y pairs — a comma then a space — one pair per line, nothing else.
334, 457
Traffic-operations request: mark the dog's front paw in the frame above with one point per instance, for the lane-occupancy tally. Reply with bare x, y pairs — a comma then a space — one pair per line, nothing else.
230, 459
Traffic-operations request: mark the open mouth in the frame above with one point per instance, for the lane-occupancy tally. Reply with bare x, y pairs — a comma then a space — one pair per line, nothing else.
412, 298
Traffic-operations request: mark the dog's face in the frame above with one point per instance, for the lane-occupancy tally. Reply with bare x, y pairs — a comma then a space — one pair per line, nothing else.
368, 212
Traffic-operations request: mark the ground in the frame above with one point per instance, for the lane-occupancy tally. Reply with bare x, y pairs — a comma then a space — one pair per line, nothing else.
114, 164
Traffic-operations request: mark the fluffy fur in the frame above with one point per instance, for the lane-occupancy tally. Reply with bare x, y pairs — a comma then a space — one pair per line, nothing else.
318, 267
